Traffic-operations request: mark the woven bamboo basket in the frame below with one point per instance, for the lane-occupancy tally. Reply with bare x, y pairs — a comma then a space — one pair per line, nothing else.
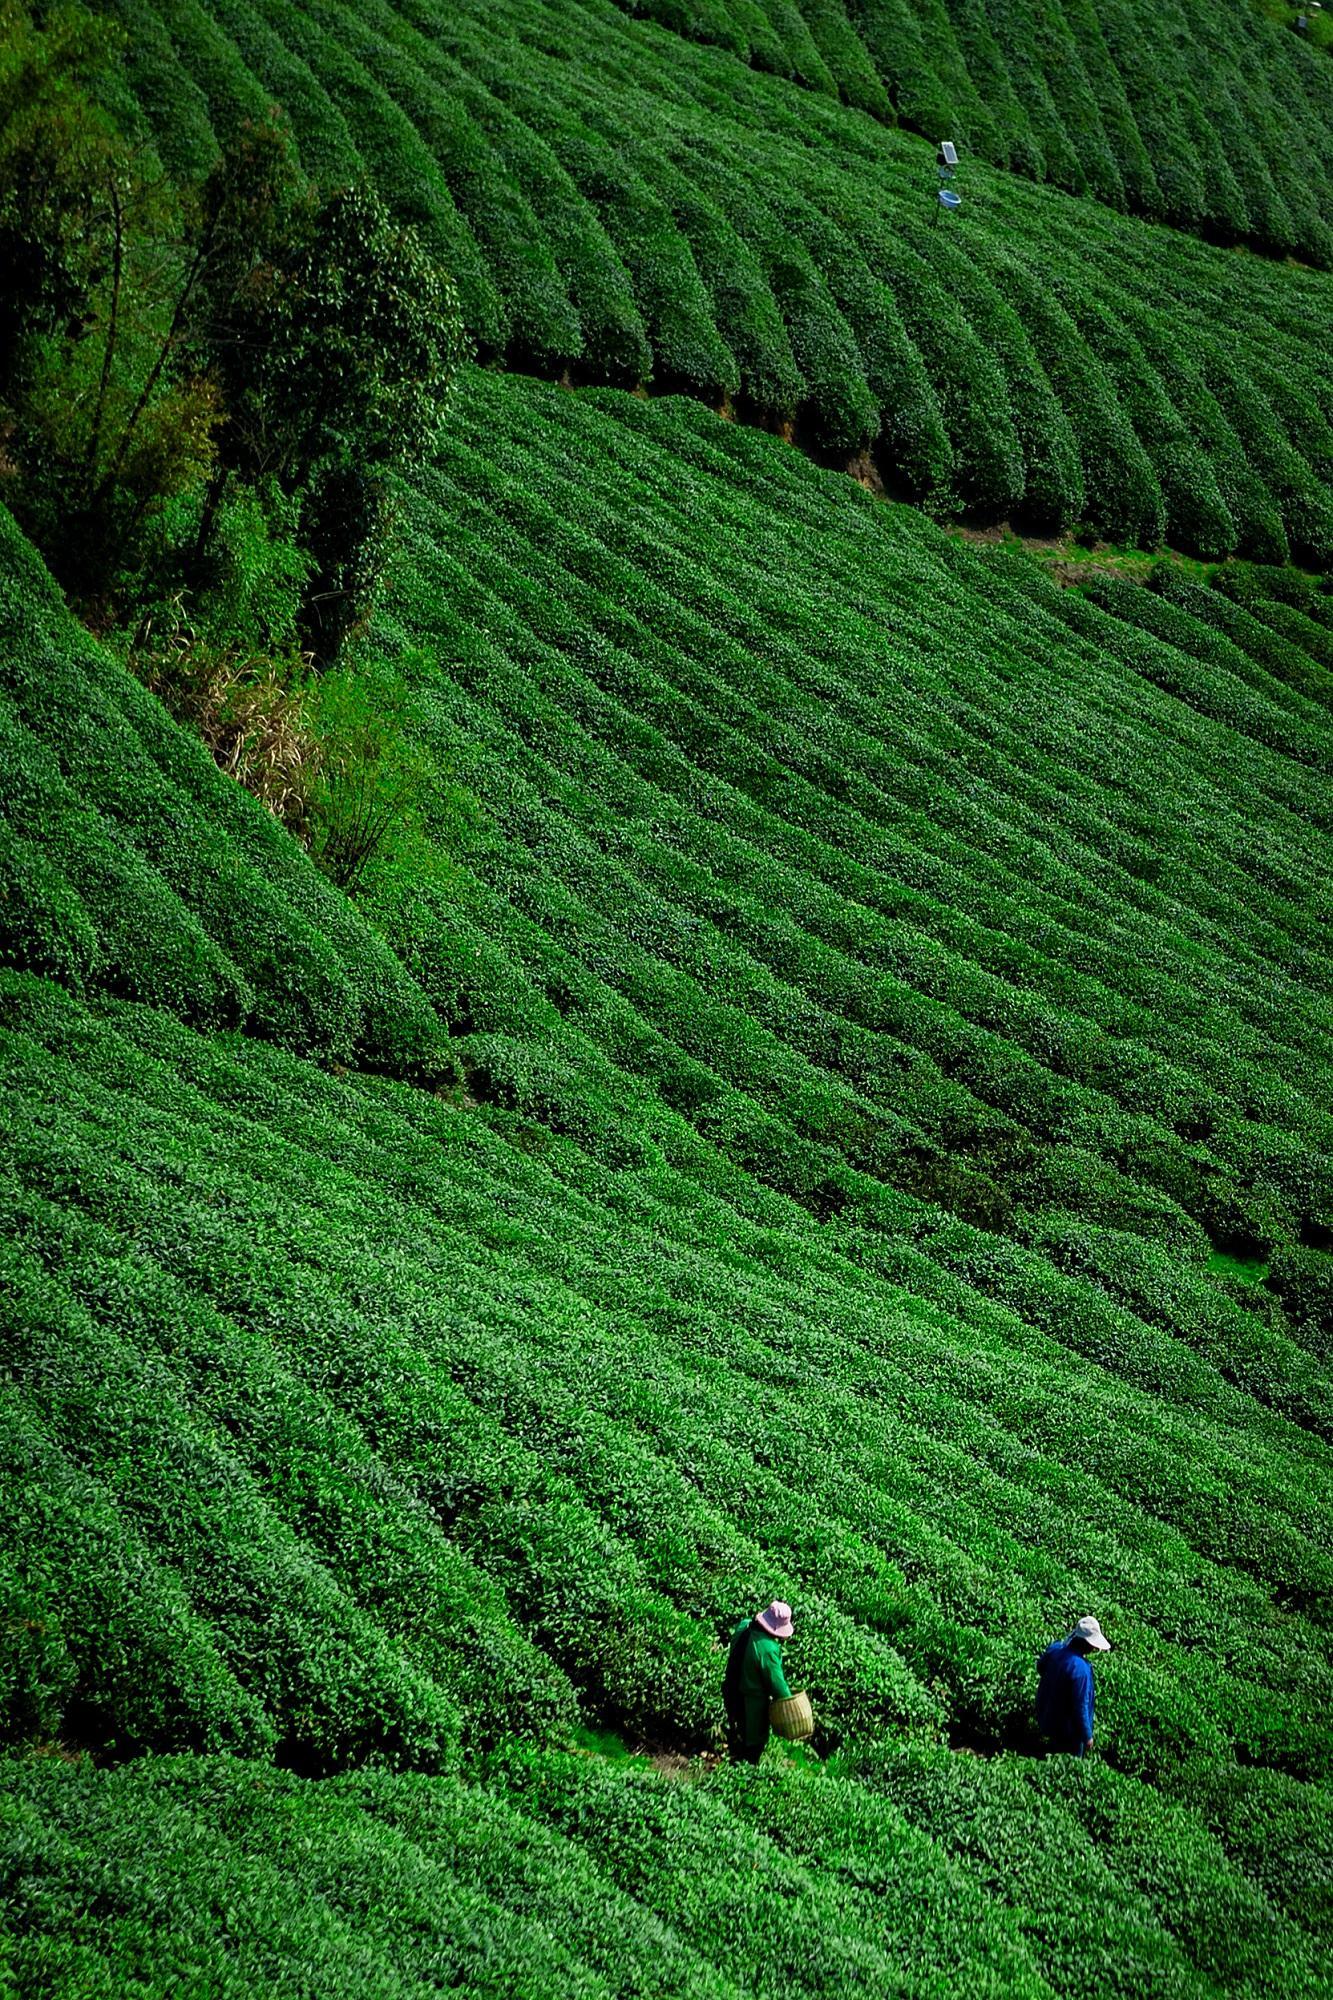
793, 1718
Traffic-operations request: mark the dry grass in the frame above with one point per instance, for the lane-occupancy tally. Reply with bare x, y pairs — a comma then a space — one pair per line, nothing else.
251, 710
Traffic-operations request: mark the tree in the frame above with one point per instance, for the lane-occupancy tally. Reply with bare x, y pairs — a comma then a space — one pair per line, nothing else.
334, 339
178, 367
58, 154
99, 429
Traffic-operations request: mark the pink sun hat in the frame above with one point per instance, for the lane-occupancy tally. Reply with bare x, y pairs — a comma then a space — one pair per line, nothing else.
777, 1620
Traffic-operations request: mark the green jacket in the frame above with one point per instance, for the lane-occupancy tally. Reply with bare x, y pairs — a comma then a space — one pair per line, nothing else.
753, 1679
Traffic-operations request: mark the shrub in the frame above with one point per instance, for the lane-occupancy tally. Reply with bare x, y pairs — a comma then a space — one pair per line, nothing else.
848, 62
745, 310
1053, 482
688, 351
969, 387
435, 142
840, 413
615, 343
1224, 1923
102, 1642
1302, 1277
924, 74
44, 927
175, 107
748, 1903
1266, 1820
529, 1868
1306, 519
328, 151
132, 933
37, 1672
919, 1905
1123, 498
1197, 518
1063, 1895
328, 1684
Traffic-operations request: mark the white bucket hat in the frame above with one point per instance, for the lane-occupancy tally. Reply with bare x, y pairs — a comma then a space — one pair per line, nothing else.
1092, 1635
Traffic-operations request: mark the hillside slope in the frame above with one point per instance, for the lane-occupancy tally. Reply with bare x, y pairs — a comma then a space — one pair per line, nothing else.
621, 205
1215, 120
893, 1173
134, 867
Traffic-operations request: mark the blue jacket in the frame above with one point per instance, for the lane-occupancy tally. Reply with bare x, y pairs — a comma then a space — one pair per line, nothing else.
1064, 1696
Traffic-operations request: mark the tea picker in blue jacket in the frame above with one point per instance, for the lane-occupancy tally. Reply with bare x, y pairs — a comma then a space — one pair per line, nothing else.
1064, 1688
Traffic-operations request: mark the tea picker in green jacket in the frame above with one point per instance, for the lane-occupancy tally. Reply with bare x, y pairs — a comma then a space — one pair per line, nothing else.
753, 1679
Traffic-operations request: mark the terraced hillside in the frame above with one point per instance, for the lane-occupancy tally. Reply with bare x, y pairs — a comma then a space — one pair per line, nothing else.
617, 203
1213, 120
824, 1093
890, 1168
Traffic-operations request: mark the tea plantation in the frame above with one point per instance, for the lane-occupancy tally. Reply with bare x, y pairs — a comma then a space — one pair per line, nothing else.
617, 204
1211, 120
839, 1112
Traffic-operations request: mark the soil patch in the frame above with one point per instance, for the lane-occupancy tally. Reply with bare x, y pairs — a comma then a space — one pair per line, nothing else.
676, 1765
863, 469
994, 532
